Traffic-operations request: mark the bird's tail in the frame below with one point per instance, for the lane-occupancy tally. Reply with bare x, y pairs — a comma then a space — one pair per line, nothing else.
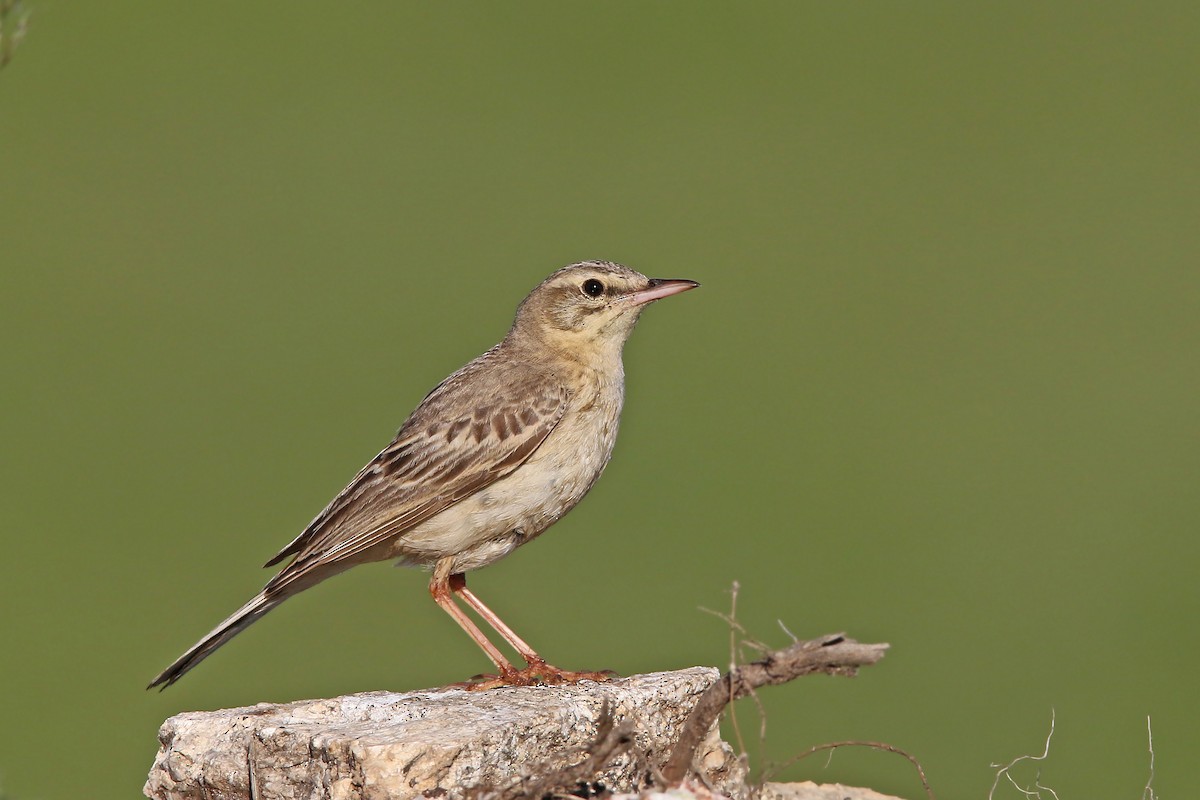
241, 619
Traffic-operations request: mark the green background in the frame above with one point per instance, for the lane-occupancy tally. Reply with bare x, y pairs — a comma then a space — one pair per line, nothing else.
939, 387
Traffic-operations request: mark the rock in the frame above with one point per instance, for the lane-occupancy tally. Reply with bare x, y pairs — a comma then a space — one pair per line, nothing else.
691, 790
441, 743
819, 791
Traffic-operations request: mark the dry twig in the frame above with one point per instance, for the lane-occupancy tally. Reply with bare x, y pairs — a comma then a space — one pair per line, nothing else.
1034, 792
1148, 792
831, 655
890, 748
737, 656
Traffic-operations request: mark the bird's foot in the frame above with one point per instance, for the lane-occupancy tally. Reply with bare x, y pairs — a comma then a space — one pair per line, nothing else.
539, 673
536, 673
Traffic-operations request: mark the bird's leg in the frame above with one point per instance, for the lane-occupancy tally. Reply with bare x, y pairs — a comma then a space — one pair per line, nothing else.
458, 585
442, 592
536, 670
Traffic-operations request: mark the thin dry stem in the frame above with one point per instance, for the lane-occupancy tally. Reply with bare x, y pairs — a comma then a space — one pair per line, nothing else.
1148, 792
1004, 772
737, 657
733, 664
831, 746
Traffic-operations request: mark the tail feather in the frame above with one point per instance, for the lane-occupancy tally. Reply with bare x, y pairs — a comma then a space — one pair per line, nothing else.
241, 619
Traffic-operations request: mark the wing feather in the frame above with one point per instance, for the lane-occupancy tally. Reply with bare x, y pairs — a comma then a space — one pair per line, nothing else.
446, 451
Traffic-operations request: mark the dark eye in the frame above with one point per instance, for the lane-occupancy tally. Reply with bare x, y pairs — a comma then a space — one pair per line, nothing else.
592, 287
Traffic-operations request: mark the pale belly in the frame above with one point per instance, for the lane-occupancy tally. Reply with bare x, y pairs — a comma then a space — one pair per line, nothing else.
499, 518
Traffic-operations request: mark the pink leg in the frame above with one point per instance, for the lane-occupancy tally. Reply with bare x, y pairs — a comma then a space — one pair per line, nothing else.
458, 585
442, 588
536, 671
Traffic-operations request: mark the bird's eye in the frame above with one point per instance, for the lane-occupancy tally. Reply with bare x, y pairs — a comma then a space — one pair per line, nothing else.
592, 287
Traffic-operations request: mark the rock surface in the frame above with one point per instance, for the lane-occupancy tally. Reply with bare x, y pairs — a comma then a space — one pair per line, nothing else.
819, 791
771, 791
493, 745
441, 743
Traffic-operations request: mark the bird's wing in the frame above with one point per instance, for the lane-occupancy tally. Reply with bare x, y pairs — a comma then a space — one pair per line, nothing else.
438, 458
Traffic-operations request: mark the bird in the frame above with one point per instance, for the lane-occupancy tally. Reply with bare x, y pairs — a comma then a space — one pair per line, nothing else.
493, 456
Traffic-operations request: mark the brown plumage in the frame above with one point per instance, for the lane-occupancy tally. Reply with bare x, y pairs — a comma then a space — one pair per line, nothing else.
493, 456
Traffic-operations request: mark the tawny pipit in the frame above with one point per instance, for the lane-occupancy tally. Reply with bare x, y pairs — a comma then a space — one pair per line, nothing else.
490, 458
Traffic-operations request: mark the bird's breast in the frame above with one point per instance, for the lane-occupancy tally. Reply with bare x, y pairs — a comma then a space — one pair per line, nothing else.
500, 517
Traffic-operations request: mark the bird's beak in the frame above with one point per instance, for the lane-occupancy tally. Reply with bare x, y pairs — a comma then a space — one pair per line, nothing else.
657, 290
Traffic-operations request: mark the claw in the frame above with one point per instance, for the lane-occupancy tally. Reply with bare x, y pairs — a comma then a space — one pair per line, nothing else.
537, 673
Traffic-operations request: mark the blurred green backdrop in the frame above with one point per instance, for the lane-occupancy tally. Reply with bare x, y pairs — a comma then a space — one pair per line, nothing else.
939, 387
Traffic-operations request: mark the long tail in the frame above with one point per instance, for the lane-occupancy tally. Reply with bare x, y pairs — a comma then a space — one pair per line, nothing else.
241, 619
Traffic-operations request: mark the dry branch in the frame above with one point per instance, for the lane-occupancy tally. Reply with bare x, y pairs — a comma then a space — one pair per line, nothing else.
830, 655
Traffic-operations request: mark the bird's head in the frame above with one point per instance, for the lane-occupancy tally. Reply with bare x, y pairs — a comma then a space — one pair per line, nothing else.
590, 307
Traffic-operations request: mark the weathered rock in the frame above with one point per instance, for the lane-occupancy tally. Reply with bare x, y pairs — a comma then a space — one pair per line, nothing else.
807, 790
819, 791
443, 743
